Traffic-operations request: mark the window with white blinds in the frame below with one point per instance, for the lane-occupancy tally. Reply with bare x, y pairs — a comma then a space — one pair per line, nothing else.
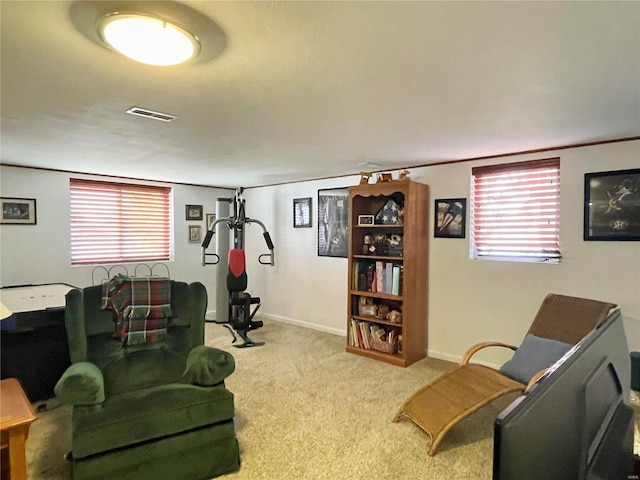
118, 222
516, 211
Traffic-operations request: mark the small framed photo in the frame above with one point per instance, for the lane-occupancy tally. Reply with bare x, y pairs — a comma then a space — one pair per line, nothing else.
211, 217
302, 212
450, 218
368, 309
18, 211
193, 212
195, 233
612, 205
365, 219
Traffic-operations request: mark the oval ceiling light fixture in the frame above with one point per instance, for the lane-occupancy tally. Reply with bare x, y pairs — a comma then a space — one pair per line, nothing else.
148, 39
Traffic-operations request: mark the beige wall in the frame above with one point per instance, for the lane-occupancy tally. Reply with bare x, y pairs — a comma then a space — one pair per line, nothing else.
302, 287
41, 253
469, 300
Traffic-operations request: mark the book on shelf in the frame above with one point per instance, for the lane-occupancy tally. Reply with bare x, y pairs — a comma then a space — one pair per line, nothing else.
359, 276
361, 333
395, 282
353, 334
366, 333
377, 277
388, 277
380, 277
362, 276
370, 278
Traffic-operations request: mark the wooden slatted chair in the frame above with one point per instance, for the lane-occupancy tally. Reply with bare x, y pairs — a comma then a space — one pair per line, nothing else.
437, 407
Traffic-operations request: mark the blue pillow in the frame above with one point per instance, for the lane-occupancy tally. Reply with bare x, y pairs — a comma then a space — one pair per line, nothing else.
533, 355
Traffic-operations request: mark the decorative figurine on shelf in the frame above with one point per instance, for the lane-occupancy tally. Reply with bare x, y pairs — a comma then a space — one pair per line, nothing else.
368, 240
384, 177
404, 175
394, 316
364, 177
383, 310
395, 245
379, 244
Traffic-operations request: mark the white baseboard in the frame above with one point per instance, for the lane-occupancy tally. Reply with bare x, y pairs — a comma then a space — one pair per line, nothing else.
300, 323
335, 331
443, 356
456, 359
211, 314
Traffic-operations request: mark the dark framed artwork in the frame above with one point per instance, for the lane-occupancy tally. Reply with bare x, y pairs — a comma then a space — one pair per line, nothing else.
333, 222
18, 211
193, 212
302, 212
450, 218
612, 205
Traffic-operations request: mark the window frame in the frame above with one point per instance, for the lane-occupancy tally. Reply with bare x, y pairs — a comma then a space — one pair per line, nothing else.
513, 244
117, 222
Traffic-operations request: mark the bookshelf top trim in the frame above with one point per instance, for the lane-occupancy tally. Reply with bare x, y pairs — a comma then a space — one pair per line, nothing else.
380, 189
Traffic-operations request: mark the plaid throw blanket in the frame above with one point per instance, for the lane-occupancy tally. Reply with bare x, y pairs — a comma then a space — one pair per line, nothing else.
142, 307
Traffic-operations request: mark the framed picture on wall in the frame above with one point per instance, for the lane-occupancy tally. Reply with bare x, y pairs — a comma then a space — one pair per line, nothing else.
612, 205
333, 222
450, 218
195, 233
211, 217
193, 212
302, 212
18, 211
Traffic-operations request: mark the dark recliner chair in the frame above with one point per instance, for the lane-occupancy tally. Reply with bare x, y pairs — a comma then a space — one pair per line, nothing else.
149, 411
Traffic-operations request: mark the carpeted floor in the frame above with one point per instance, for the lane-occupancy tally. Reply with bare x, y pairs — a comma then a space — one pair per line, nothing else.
306, 409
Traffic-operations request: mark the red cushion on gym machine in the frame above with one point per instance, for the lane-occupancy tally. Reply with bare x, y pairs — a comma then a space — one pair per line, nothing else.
236, 261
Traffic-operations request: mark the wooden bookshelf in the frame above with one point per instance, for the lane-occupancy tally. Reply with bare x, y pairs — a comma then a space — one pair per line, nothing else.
381, 264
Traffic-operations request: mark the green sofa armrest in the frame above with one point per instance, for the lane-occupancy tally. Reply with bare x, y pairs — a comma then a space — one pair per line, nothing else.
81, 384
208, 366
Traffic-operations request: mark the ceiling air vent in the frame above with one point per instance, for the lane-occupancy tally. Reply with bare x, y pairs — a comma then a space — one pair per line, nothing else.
143, 112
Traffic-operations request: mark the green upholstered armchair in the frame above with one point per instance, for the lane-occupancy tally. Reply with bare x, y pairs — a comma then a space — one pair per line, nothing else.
152, 411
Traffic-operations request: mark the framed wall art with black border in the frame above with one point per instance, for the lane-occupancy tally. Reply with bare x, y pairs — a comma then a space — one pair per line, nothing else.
302, 212
18, 211
193, 212
450, 218
333, 222
612, 205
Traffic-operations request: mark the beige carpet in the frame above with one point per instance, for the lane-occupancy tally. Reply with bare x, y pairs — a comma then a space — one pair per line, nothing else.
306, 409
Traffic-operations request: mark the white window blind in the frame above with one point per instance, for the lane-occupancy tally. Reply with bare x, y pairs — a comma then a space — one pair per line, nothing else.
117, 222
516, 211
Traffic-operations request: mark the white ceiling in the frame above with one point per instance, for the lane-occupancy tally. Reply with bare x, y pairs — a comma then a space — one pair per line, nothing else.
288, 91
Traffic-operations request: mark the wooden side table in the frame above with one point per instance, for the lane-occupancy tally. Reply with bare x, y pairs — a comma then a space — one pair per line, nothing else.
16, 415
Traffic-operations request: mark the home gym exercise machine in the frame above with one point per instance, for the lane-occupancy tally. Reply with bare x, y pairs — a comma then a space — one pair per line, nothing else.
233, 303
